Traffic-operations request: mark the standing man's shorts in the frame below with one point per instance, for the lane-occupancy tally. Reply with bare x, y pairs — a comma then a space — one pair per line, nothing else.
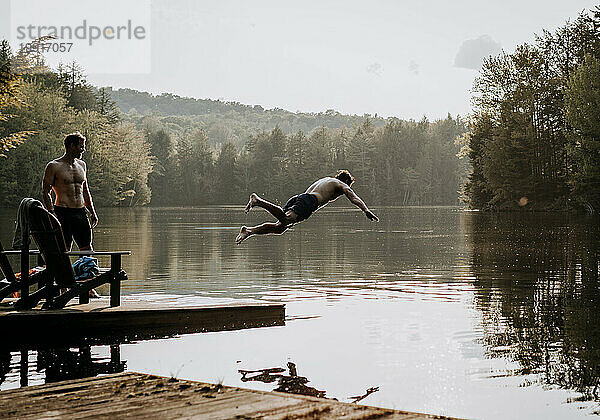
303, 205
75, 225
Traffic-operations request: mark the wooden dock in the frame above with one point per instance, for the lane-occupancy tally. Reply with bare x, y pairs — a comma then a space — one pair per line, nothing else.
136, 395
131, 320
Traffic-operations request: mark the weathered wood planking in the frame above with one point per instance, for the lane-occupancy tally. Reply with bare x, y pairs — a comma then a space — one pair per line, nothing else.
130, 320
137, 395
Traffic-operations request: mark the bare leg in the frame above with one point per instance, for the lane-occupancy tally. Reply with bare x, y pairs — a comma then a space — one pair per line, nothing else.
274, 209
265, 228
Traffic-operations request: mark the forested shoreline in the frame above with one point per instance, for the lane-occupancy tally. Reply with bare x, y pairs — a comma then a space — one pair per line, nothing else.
213, 152
532, 141
534, 134
401, 163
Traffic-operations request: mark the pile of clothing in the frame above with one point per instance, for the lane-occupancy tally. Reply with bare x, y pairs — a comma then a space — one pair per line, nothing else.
86, 268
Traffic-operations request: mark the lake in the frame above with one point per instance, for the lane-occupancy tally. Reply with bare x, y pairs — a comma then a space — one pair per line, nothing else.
447, 311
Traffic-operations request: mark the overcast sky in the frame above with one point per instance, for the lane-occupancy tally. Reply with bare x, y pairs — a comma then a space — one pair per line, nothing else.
394, 58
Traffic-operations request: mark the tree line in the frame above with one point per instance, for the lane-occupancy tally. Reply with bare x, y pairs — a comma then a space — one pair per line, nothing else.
534, 134
401, 163
169, 159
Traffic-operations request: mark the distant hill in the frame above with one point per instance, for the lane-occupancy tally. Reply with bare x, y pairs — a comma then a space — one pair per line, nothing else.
230, 121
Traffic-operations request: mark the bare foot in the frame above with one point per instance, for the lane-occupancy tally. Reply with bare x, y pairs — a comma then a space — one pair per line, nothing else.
244, 233
251, 202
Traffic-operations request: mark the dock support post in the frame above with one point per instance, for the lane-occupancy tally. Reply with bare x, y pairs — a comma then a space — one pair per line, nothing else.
24, 367
115, 281
115, 355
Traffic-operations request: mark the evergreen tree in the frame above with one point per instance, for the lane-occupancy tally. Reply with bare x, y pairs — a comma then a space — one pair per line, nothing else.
583, 115
162, 148
80, 95
106, 106
227, 187
296, 152
195, 168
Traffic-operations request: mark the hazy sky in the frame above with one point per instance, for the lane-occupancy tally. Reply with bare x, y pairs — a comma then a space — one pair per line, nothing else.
400, 58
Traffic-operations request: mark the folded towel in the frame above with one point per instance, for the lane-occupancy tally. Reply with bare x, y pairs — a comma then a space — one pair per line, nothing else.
86, 268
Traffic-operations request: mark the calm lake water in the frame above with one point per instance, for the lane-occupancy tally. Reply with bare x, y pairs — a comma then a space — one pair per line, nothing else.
446, 311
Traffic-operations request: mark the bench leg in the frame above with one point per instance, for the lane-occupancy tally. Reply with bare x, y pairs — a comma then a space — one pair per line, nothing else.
115, 291
84, 297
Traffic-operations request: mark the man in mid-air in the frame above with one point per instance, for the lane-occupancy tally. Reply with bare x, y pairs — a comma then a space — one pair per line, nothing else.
300, 207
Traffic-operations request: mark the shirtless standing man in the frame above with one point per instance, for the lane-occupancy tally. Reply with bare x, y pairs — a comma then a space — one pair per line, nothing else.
301, 206
67, 177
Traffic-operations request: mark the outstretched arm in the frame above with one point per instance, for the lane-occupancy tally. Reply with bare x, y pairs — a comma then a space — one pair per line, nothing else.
357, 201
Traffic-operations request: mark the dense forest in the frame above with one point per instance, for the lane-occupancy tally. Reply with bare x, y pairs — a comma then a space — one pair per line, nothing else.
167, 150
402, 163
534, 134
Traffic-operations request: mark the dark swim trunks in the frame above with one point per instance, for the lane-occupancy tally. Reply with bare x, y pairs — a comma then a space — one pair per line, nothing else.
75, 225
303, 205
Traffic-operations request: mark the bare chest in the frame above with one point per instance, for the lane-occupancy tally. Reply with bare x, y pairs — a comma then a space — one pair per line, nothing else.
70, 175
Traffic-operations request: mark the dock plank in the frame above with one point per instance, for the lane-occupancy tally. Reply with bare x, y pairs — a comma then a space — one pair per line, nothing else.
137, 395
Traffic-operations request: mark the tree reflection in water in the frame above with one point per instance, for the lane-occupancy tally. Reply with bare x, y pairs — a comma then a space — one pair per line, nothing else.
60, 364
536, 282
63, 364
292, 383
4, 364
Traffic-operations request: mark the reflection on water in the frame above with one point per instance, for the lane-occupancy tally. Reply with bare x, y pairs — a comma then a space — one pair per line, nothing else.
448, 312
536, 285
56, 364
291, 383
